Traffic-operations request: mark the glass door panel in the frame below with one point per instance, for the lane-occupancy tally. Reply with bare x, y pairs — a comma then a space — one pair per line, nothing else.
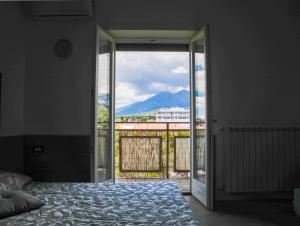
199, 118
104, 106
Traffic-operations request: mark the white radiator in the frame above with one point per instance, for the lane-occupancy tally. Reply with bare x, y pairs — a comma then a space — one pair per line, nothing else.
261, 158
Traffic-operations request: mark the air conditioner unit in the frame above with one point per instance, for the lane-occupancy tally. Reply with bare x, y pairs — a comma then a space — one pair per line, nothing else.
63, 9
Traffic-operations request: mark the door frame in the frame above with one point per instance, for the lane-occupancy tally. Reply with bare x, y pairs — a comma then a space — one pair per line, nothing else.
210, 162
94, 88
209, 202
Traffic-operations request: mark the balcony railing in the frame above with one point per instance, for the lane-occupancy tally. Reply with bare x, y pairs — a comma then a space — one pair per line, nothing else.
155, 150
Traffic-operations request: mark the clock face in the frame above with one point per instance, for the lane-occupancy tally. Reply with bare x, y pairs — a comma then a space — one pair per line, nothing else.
63, 48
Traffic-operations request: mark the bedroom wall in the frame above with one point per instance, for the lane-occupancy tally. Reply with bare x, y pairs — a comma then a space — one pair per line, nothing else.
12, 67
58, 101
57, 90
255, 72
45, 100
254, 52
254, 56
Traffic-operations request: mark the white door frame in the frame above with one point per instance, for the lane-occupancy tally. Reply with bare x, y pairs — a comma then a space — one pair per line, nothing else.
94, 92
209, 199
204, 193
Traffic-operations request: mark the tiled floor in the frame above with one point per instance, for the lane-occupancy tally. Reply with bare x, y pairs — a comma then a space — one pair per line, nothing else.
246, 213
236, 213
183, 183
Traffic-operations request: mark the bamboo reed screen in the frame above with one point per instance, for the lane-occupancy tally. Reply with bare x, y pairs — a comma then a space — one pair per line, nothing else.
140, 154
182, 154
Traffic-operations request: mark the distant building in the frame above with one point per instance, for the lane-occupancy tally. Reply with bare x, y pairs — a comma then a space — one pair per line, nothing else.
172, 115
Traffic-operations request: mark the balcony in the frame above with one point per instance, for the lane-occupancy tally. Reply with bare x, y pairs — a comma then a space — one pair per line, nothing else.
151, 151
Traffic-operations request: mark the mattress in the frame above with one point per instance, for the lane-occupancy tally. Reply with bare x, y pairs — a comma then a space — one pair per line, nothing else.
159, 203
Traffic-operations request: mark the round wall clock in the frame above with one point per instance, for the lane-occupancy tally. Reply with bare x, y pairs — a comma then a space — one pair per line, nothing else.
63, 48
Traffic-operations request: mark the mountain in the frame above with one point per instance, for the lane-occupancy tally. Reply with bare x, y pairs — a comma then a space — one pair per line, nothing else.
160, 100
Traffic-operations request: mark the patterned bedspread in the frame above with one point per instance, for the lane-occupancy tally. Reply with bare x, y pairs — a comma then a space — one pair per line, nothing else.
106, 204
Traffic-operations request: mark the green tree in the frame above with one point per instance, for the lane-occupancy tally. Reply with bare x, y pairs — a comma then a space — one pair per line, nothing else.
103, 114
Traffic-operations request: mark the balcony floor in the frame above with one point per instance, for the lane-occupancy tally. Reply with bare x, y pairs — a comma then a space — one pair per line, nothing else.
183, 183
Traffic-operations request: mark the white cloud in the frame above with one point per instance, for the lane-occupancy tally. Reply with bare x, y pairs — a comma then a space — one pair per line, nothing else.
200, 106
103, 74
180, 70
200, 101
200, 81
160, 87
126, 94
199, 59
131, 66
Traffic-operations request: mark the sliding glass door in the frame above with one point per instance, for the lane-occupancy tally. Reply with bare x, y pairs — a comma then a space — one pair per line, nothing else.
200, 127
104, 107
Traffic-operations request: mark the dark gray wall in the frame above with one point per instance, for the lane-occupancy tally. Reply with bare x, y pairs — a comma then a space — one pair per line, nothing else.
57, 113
12, 153
45, 97
57, 90
64, 158
12, 66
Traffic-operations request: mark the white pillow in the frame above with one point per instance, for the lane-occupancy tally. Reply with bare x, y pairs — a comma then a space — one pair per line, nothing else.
10, 181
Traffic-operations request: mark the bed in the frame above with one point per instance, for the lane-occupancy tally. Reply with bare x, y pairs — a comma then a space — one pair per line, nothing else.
158, 203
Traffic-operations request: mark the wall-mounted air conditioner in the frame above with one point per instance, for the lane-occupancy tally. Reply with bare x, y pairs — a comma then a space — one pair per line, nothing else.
63, 9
